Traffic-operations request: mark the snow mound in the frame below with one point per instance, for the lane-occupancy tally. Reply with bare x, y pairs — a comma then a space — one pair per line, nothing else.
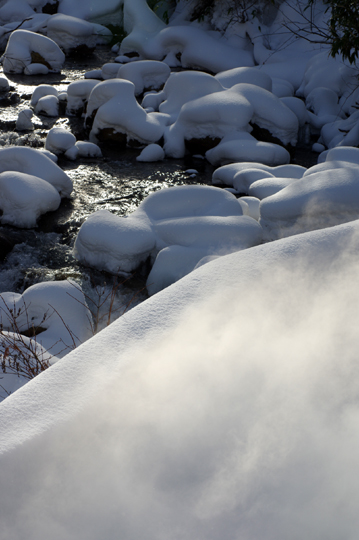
123, 117
23, 122
152, 152
145, 74
88, 149
25, 48
59, 140
71, 33
319, 199
33, 162
24, 198
78, 93
47, 106
204, 219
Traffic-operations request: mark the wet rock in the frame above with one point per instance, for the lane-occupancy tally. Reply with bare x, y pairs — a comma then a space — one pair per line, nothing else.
200, 146
109, 135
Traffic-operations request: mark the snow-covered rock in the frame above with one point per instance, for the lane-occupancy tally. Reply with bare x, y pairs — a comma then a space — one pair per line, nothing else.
152, 152
71, 33
78, 93
24, 198
25, 48
88, 149
47, 106
145, 74
59, 140
122, 117
23, 122
204, 219
33, 162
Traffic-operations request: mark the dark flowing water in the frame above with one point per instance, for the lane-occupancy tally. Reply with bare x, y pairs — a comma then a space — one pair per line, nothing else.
117, 182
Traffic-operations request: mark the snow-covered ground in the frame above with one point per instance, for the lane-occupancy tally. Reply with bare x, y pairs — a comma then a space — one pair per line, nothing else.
226, 405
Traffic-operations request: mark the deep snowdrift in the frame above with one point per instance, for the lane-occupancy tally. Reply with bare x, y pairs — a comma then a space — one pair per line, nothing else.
225, 406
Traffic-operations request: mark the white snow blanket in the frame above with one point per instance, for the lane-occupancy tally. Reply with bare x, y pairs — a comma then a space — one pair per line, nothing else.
202, 220
226, 406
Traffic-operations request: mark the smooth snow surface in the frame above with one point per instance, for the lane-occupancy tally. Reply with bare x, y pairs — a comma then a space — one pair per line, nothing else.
25, 48
206, 410
201, 219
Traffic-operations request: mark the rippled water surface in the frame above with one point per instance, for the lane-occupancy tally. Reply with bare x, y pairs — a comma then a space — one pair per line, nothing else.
116, 182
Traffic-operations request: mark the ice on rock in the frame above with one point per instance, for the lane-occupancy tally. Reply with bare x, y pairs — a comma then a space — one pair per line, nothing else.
33, 162
145, 74
59, 140
24, 198
152, 152
25, 48
205, 219
23, 122
78, 93
123, 117
47, 106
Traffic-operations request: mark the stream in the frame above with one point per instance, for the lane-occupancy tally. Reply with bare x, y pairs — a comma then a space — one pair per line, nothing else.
116, 182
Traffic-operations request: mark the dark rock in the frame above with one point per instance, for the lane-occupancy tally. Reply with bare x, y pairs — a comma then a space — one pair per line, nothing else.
200, 146
109, 135
51, 8
262, 134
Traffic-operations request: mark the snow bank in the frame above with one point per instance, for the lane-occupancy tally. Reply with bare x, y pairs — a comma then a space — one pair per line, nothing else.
200, 412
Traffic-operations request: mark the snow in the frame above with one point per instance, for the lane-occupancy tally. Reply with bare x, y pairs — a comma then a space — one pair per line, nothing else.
59, 140
47, 106
193, 395
123, 114
71, 32
145, 74
152, 152
23, 45
33, 162
319, 199
41, 91
23, 198
23, 121
78, 93
246, 147
205, 219
88, 149
224, 406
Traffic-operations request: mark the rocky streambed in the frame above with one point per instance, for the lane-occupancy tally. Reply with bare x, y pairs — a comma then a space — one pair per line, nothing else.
116, 182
